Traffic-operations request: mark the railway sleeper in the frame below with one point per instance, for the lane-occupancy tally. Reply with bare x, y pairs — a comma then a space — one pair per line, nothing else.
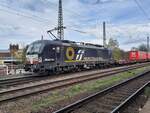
105, 101
94, 108
118, 96
124, 93
115, 98
125, 90
106, 106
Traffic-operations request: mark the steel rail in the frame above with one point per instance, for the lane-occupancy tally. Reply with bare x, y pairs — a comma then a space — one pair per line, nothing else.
56, 84
130, 99
85, 78
27, 79
78, 104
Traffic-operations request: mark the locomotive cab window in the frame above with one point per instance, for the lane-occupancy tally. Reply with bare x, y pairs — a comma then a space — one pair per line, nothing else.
35, 48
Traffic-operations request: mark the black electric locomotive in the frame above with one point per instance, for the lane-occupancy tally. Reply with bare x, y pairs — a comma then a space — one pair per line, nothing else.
62, 55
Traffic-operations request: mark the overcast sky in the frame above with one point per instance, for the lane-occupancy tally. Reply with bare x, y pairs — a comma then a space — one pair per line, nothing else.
24, 21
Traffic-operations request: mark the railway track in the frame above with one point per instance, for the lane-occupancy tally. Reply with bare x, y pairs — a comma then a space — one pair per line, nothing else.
26, 90
6, 83
17, 81
125, 106
110, 100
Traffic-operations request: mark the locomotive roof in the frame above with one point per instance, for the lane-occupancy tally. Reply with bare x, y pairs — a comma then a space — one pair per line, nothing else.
69, 43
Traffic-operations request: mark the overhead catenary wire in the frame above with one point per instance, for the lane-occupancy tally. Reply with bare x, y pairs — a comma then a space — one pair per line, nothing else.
42, 20
142, 9
28, 15
22, 14
11, 10
80, 31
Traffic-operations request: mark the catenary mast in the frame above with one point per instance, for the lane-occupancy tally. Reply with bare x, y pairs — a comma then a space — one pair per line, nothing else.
104, 34
60, 30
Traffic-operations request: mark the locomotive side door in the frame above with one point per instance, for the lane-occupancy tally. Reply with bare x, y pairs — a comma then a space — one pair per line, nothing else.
49, 54
58, 54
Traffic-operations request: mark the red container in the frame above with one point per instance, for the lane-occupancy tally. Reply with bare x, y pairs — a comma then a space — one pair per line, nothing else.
133, 55
138, 55
148, 56
143, 56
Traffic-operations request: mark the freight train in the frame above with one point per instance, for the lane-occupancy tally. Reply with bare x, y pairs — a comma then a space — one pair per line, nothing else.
50, 56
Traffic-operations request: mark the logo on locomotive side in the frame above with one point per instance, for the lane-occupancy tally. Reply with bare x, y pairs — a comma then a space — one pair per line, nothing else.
70, 53
80, 54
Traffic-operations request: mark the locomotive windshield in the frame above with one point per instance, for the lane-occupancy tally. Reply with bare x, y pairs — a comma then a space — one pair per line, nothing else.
35, 48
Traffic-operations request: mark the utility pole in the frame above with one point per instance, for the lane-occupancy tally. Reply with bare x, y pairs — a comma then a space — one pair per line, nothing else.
104, 34
60, 28
42, 37
60, 31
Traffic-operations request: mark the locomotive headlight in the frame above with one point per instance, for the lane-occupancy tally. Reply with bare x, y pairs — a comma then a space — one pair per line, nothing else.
40, 59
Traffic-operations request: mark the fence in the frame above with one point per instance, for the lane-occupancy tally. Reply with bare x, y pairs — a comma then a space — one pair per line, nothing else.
3, 70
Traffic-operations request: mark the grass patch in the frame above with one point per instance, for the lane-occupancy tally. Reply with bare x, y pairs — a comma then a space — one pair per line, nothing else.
91, 86
147, 91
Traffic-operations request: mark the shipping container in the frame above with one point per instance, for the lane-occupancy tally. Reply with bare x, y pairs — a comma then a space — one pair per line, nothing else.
138, 56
